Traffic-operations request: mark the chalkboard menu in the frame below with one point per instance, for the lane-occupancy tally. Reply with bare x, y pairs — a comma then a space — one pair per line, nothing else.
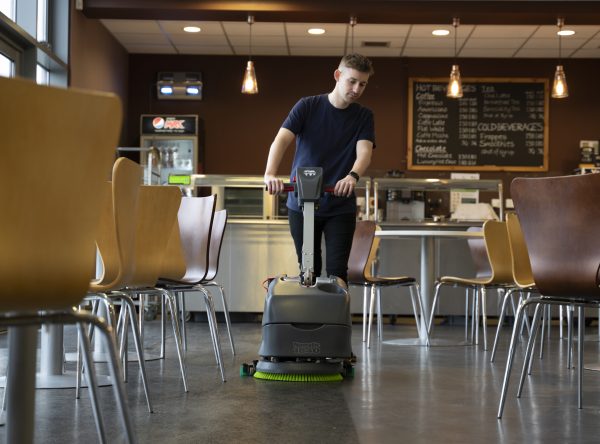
498, 124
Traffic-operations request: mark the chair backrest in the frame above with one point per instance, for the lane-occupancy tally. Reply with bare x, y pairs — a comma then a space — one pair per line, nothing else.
498, 252
479, 254
362, 243
195, 224
521, 265
157, 213
216, 241
116, 235
558, 216
57, 149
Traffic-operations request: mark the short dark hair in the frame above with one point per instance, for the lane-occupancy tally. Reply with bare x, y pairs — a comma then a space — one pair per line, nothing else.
358, 62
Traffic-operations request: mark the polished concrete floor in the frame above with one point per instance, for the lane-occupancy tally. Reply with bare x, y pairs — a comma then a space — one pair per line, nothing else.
408, 394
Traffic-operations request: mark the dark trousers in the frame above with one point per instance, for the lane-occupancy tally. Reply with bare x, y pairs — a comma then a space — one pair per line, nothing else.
338, 231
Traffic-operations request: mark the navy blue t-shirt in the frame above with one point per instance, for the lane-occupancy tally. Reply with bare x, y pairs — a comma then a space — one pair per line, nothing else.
326, 136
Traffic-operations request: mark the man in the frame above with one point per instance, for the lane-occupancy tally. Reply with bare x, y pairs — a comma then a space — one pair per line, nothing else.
334, 132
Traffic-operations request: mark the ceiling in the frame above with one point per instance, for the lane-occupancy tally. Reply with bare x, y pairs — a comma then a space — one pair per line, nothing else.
385, 28
373, 40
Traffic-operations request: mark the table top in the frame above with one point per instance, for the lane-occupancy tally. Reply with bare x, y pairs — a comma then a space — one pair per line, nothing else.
398, 234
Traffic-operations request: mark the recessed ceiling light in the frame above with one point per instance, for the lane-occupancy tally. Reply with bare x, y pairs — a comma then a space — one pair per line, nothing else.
440, 32
566, 32
316, 31
192, 29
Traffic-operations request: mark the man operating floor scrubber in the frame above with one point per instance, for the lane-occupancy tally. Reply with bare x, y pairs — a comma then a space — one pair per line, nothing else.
307, 326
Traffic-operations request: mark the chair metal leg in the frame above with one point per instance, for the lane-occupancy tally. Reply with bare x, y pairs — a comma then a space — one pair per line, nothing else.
181, 298
365, 297
92, 381
511, 354
484, 317
176, 333
379, 314
433, 307
128, 302
580, 339
212, 324
117, 383
473, 313
371, 309
569, 336
561, 321
466, 314
529, 351
423, 326
507, 296
416, 311
163, 325
477, 310
227, 318
545, 316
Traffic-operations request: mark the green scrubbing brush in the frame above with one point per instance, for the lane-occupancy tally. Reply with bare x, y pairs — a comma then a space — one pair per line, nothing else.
290, 377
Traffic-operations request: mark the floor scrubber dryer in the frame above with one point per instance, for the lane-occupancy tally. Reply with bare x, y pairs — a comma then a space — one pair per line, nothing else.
306, 324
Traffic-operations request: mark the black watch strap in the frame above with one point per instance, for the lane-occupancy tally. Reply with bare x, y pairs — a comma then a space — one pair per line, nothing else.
353, 174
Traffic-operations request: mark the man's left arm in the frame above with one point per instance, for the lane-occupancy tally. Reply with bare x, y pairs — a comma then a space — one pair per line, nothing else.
346, 185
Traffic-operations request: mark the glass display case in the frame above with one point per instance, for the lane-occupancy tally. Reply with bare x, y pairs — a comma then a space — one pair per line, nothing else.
420, 199
245, 197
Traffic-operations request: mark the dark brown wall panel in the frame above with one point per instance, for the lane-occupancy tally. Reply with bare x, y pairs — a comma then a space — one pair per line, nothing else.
238, 129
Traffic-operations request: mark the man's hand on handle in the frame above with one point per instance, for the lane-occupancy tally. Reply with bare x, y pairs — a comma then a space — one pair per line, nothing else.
344, 187
274, 185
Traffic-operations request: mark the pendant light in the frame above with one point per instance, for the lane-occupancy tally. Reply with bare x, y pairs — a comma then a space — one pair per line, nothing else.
352, 25
559, 88
455, 90
249, 84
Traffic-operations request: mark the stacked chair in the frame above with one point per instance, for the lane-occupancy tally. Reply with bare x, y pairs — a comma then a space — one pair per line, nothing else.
217, 233
557, 216
360, 265
116, 245
189, 252
58, 146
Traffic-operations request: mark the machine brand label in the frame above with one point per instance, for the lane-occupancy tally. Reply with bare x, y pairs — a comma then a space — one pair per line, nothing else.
164, 125
310, 173
313, 348
169, 123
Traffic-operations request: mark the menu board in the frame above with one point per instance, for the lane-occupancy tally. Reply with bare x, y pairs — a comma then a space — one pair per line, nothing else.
498, 125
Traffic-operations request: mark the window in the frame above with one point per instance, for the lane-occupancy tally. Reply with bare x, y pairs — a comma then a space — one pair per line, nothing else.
7, 7
7, 66
42, 20
42, 75
34, 36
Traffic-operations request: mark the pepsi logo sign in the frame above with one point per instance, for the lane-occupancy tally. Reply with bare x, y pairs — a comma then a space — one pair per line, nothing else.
158, 123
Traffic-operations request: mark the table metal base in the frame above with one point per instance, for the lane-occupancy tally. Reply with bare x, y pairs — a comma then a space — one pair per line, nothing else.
66, 380
432, 342
103, 357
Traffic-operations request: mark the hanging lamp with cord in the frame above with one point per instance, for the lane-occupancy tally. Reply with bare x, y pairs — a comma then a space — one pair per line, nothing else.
353, 22
249, 84
455, 90
559, 87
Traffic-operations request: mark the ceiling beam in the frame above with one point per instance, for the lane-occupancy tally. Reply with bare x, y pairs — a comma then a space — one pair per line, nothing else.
488, 12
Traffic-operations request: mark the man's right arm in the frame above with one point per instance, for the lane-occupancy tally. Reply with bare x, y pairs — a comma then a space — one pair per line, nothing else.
282, 140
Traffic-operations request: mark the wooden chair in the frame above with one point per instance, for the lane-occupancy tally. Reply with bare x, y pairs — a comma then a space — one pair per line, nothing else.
498, 253
58, 146
362, 256
521, 271
116, 241
558, 215
216, 241
188, 266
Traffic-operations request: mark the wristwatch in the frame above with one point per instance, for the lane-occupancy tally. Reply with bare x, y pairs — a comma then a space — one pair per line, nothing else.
353, 174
